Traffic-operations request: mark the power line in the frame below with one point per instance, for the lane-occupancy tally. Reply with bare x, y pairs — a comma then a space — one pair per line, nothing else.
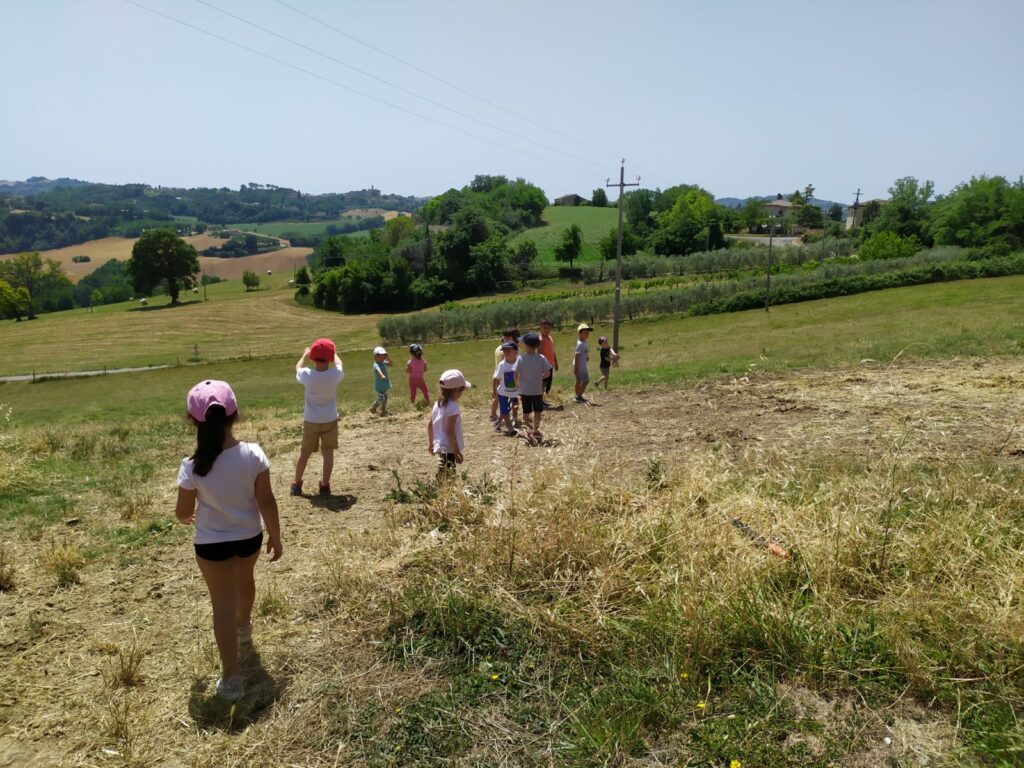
396, 86
356, 91
441, 80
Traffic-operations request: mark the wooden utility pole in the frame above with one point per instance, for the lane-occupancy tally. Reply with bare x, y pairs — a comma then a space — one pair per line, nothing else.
618, 249
768, 272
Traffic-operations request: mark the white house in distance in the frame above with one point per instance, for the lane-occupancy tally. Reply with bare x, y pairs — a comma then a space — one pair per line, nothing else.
779, 207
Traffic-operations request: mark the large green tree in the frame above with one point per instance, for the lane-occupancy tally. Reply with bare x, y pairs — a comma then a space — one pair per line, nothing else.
35, 276
752, 213
907, 211
638, 207
522, 259
571, 246
982, 212
599, 198
161, 256
609, 244
683, 228
13, 301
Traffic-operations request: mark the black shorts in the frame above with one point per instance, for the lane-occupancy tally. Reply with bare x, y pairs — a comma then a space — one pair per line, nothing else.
446, 465
225, 550
532, 403
605, 370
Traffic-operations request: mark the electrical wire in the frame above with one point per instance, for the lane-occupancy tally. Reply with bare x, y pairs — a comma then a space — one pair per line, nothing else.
396, 86
356, 91
441, 80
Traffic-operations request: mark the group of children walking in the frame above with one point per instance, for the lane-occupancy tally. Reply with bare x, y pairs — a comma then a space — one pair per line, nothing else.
224, 488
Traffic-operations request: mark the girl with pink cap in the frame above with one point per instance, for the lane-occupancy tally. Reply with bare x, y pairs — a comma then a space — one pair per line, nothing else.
224, 492
444, 430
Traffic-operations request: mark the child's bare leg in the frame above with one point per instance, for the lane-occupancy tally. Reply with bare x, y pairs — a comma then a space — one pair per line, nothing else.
536, 421
300, 465
328, 454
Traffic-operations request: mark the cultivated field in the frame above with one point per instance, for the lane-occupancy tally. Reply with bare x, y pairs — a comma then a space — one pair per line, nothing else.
584, 603
108, 248
595, 223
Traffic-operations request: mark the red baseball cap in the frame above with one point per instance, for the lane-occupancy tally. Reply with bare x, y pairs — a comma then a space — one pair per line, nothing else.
322, 350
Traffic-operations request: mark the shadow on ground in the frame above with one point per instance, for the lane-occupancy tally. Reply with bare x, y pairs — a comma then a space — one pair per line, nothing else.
339, 503
262, 690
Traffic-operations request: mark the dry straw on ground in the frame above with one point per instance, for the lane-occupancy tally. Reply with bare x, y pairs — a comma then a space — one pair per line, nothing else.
585, 603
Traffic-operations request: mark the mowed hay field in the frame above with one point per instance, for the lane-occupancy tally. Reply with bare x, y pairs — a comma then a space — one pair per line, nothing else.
584, 603
958, 318
120, 248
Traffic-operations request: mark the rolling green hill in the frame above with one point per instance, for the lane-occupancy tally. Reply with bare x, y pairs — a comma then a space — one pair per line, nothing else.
595, 223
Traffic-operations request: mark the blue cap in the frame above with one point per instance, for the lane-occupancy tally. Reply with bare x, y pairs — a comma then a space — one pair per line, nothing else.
510, 345
531, 339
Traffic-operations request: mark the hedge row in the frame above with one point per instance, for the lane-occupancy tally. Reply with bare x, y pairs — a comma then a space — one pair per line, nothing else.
460, 321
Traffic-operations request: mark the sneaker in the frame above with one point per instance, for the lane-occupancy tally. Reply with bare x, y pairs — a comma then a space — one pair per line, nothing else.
511, 433
580, 399
497, 427
231, 689
325, 490
537, 436
296, 489
244, 633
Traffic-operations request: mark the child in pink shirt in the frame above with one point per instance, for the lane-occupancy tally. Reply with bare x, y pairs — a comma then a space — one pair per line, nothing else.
417, 368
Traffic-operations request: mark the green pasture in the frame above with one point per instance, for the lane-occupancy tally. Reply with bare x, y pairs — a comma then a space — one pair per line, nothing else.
961, 319
309, 228
594, 222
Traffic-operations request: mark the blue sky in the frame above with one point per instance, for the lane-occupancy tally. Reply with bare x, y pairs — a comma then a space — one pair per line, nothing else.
740, 97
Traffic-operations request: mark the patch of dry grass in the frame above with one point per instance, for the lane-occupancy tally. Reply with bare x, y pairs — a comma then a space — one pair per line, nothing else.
63, 562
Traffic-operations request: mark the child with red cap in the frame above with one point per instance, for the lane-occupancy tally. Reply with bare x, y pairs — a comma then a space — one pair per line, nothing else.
224, 492
320, 415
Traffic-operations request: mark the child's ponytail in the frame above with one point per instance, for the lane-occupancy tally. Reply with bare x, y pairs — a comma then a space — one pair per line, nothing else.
210, 436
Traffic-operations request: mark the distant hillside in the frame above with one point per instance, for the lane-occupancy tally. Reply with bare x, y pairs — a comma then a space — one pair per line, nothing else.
594, 222
737, 202
37, 184
62, 212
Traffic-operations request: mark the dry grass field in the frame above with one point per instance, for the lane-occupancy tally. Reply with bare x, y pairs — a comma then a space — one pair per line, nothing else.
583, 603
108, 248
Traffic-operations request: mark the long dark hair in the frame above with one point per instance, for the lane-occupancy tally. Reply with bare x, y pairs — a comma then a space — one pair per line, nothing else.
210, 435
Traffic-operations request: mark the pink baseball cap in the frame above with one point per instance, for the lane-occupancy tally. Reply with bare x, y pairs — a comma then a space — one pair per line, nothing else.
207, 393
453, 379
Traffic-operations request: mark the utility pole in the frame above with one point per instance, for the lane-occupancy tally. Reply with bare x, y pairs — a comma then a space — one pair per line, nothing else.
618, 248
768, 273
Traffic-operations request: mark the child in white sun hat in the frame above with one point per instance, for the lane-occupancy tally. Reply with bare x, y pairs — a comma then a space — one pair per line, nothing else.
444, 430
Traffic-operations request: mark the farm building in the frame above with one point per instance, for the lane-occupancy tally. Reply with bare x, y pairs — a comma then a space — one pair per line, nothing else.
570, 200
779, 207
855, 213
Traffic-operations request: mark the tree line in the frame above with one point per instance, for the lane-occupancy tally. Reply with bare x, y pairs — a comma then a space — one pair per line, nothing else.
459, 245
68, 215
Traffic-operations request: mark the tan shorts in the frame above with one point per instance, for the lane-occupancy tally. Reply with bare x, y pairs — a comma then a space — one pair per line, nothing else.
316, 436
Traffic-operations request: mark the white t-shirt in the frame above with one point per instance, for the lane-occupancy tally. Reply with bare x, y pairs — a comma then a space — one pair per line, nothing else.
583, 352
438, 419
506, 376
321, 393
227, 508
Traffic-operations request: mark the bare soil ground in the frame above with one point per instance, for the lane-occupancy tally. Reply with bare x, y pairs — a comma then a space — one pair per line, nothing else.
58, 646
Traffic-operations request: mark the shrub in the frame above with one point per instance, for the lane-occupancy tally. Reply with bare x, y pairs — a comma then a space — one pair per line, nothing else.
889, 245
